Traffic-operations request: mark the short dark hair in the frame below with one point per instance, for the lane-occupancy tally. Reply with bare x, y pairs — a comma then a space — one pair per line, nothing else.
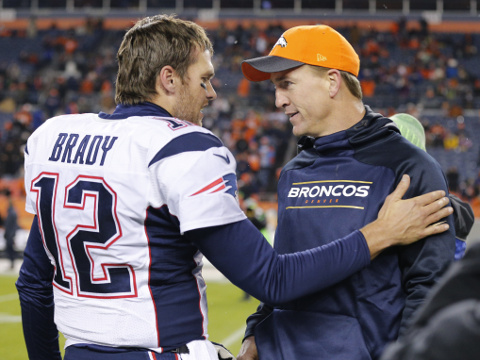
152, 43
353, 84
351, 81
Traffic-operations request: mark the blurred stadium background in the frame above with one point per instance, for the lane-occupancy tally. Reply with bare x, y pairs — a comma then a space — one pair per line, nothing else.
417, 56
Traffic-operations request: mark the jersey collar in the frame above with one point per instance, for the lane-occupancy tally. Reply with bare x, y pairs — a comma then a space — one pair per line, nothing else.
143, 109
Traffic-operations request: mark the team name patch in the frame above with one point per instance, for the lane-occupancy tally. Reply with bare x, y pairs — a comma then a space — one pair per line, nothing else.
87, 149
328, 193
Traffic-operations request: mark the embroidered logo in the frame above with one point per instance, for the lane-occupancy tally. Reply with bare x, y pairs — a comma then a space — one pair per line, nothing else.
328, 194
224, 157
227, 184
282, 42
320, 57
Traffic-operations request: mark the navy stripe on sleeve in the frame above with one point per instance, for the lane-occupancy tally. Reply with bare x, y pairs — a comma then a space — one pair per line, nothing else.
189, 142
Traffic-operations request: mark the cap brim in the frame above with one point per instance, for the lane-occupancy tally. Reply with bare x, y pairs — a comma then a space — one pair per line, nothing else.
259, 69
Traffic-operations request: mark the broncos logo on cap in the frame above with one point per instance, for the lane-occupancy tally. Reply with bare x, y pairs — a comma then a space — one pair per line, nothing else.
282, 42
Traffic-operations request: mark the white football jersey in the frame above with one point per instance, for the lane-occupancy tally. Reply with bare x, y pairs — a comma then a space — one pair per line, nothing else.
113, 195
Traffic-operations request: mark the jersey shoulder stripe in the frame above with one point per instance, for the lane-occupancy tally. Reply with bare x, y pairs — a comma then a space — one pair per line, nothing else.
194, 141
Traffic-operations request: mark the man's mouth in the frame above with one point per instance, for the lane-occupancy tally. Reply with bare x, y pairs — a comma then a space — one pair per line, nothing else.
291, 115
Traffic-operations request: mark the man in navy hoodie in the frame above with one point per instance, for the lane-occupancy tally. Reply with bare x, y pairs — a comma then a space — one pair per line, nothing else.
350, 159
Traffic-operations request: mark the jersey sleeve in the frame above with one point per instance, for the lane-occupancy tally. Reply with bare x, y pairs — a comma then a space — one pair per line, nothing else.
199, 186
35, 290
245, 257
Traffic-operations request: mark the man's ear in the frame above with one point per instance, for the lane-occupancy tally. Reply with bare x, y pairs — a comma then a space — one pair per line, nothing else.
166, 80
335, 79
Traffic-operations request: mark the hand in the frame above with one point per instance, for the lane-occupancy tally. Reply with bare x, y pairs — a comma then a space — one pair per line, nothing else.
402, 222
248, 351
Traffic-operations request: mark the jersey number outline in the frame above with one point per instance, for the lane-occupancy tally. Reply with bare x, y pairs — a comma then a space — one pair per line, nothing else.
84, 241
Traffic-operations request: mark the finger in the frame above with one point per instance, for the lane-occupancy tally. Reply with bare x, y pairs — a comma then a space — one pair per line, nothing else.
439, 215
436, 205
435, 229
401, 188
430, 197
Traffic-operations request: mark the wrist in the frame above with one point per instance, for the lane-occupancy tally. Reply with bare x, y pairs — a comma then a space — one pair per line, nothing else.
375, 238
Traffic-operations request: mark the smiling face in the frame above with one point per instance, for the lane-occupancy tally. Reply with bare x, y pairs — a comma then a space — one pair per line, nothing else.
303, 93
196, 91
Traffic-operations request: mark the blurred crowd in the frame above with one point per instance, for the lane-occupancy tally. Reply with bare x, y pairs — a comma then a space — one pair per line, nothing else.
408, 68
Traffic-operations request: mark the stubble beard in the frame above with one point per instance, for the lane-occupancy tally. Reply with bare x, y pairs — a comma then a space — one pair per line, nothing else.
184, 108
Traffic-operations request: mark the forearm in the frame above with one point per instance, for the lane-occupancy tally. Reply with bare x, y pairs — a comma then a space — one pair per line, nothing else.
39, 330
35, 290
241, 253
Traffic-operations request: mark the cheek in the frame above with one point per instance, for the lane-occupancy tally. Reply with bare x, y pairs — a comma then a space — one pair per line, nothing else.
198, 96
313, 105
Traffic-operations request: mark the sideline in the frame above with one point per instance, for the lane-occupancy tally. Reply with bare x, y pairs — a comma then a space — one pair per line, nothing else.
234, 337
8, 297
6, 318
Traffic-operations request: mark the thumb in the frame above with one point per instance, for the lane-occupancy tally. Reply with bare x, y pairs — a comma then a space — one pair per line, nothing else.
401, 188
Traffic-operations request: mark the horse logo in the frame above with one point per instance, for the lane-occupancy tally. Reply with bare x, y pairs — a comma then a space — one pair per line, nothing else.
282, 42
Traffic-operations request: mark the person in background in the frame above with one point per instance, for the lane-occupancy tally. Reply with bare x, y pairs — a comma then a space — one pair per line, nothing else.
447, 326
412, 129
11, 227
350, 160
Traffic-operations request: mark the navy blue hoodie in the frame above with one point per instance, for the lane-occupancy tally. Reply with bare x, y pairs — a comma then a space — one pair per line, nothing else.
338, 183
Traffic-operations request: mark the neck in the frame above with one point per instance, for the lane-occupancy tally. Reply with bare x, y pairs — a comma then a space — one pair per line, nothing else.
164, 101
344, 115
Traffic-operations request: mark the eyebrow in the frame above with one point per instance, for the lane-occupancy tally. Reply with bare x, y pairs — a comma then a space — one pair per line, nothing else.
279, 79
208, 74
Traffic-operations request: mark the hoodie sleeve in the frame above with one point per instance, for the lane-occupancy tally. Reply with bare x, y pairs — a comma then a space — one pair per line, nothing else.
424, 262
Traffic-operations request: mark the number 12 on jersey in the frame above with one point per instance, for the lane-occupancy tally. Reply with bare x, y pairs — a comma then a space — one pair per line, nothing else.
88, 243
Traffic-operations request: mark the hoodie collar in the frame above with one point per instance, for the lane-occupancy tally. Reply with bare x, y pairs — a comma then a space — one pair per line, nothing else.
371, 127
365, 130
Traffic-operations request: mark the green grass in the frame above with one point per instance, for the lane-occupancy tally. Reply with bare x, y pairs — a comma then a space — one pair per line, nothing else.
11, 336
227, 315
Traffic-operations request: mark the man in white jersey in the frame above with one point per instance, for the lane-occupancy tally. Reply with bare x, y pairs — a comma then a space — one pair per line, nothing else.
126, 203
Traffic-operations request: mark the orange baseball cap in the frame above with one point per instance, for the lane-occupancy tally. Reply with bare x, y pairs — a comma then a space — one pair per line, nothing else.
318, 45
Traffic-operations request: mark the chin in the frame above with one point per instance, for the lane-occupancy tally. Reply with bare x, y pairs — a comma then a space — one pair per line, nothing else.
297, 133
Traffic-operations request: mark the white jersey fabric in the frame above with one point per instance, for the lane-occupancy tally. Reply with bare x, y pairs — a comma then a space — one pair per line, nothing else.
113, 195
